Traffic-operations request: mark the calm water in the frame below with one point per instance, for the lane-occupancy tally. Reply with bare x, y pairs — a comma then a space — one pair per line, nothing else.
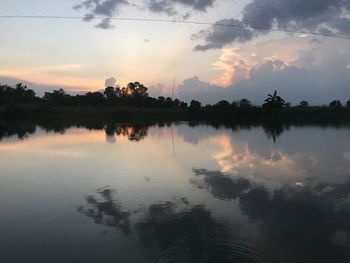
174, 193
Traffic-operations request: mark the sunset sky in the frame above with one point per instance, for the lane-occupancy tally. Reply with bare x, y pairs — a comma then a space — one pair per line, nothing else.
209, 62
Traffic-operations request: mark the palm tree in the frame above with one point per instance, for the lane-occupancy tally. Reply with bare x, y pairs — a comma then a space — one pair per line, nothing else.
274, 101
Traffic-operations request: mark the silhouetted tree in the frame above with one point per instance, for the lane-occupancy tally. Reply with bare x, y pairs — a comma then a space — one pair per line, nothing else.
348, 104
176, 103
161, 101
168, 102
274, 101
57, 97
245, 104
222, 105
19, 94
195, 105
150, 102
304, 104
234, 105
137, 90
183, 105
93, 98
335, 104
110, 93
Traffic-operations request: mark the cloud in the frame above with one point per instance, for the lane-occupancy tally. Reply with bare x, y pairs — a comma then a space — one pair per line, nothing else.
318, 74
316, 41
105, 24
159, 90
219, 36
324, 16
104, 9
163, 6
200, 5
293, 83
39, 89
110, 82
194, 88
168, 6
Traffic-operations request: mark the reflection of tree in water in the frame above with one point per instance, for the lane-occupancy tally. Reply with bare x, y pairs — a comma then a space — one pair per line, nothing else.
273, 130
20, 129
174, 230
105, 210
296, 224
135, 132
163, 227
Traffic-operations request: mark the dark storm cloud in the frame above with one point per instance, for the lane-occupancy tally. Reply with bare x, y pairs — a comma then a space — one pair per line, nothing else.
168, 6
200, 5
105, 24
219, 36
106, 8
342, 25
324, 16
165, 7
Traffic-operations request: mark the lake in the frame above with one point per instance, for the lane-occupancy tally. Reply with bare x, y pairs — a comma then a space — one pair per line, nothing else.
174, 192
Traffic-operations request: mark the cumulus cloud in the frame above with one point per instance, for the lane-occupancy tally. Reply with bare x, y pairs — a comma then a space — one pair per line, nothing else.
194, 88
323, 16
159, 90
319, 74
101, 8
110, 82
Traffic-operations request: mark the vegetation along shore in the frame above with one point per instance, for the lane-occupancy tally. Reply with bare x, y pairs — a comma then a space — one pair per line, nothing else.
134, 103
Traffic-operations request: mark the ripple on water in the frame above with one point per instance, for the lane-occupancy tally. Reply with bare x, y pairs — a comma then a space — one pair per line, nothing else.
211, 252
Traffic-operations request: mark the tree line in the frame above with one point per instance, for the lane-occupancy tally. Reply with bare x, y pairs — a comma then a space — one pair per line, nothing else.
136, 95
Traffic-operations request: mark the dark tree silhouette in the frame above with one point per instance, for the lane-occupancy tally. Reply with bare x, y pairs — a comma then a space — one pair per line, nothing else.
335, 104
93, 98
19, 94
183, 105
245, 104
137, 90
161, 101
195, 106
132, 101
222, 105
274, 101
57, 97
304, 104
110, 93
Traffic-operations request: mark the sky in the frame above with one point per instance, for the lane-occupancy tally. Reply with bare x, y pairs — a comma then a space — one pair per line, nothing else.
209, 62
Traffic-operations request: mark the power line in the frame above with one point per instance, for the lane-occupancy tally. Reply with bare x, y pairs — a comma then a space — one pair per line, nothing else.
176, 21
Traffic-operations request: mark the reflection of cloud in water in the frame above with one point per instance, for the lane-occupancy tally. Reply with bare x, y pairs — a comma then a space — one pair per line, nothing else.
304, 155
105, 210
295, 224
172, 231
238, 158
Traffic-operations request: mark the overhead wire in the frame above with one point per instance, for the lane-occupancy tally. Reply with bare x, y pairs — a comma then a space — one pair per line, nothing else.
283, 30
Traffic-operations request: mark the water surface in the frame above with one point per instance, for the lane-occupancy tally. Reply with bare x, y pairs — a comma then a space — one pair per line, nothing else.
174, 193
